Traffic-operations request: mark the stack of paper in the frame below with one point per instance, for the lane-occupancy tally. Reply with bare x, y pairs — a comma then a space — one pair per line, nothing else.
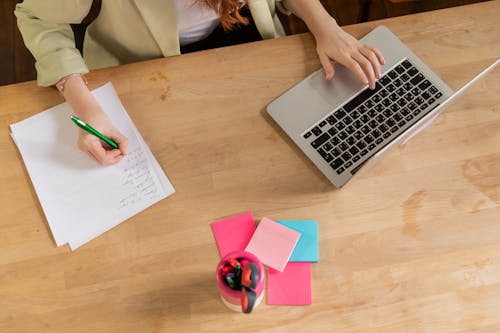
80, 198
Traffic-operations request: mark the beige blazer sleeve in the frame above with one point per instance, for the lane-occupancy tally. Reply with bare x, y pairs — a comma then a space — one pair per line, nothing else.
45, 27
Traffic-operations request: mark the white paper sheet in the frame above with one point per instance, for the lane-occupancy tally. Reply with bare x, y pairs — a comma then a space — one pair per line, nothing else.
80, 198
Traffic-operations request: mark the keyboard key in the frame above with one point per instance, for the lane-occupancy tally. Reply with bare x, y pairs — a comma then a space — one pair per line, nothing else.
387, 134
387, 113
355, 114
395, 108
433, 90
322, 152
439, 94
339, 114
417, 78
384, 80
383, 93
320, 140
354, 150
327, 146
424, 85
335, 152
383, 128
423, 106
342, 135
317, 131
405, 77
336, 163
362, 109
350, 140
343, 146
346, 156
379, 141
361, 144
356, 158
390, 88
405, 111
369, 139
376, 133
398, 82
340, 170
431, 100
412, 71
394, 129
364, 152
339, 125
373, 123
332, 131
400, 69
358, 135
402, 123
335, 141
426, 95
331, 120
322, 124
347, 120
406, 64
392, 74
348, 164
394, 97
307, 135
371, 146
386, 102
328, 158
357, 124
390, 122
350, 129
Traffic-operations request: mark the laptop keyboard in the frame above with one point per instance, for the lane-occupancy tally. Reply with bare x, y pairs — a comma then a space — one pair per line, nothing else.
350, 134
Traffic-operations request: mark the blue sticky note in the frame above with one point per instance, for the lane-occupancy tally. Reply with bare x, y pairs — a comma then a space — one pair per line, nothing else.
306, 249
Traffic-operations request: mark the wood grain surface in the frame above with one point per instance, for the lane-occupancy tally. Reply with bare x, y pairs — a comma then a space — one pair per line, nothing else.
411, 245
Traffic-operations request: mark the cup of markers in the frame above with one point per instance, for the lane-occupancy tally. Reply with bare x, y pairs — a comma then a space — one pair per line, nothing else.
240, 279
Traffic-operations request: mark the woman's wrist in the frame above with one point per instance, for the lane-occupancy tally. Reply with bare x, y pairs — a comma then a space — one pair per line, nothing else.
61, 84
75, 91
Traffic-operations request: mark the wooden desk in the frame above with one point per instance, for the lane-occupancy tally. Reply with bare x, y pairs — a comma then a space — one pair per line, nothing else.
412, 245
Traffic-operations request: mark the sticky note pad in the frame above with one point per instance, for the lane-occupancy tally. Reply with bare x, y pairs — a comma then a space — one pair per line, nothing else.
307, 246
290, 287
234, 233
273, 243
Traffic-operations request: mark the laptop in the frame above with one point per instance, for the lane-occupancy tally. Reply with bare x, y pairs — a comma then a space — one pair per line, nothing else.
341, 124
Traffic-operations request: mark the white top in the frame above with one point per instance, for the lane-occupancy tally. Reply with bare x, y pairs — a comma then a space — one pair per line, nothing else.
195, 20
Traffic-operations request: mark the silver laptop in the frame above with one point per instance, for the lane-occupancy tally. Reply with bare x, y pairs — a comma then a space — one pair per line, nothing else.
341, 124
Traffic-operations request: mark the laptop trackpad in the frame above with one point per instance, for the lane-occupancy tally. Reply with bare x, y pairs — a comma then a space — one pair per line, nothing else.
336, 91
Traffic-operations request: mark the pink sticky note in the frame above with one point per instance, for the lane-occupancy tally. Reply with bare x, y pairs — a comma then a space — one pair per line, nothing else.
290, 287
234, 233
273, 243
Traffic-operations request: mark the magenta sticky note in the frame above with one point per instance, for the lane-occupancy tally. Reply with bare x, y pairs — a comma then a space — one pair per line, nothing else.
273, 243
290, 287
233, 233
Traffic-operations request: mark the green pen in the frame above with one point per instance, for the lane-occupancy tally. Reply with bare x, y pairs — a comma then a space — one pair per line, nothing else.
91, 130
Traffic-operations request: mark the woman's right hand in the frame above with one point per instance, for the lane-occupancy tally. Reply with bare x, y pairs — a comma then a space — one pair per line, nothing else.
85, 106
94, 147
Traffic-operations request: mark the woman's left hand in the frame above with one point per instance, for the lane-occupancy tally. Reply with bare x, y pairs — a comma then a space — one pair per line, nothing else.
333, 44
